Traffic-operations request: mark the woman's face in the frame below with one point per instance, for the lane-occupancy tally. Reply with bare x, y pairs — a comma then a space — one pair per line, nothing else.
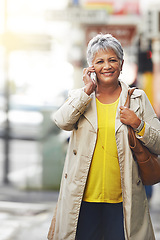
107, 66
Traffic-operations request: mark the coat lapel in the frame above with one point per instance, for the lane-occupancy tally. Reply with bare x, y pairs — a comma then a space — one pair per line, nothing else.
122, 101
91, 113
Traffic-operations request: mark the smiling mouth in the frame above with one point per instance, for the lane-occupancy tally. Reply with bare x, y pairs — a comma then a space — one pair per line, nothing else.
108, 73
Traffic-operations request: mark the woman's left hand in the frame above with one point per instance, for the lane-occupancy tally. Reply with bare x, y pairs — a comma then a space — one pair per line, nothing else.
128, 117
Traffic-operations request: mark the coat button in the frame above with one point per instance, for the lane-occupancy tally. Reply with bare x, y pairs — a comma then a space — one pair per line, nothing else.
65, 175
74, 152
138, 181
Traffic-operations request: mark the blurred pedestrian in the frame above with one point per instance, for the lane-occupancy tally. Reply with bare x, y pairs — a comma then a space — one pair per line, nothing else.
102, 195
149, 192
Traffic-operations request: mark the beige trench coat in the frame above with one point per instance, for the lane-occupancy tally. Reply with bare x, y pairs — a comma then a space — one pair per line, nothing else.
79, 115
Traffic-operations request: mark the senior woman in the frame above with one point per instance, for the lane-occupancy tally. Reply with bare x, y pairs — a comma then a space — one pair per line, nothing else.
101, 194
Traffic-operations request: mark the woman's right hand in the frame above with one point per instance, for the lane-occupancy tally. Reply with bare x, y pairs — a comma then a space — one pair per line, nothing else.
90, 84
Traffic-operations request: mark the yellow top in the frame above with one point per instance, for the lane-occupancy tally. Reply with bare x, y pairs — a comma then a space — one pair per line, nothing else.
104, 181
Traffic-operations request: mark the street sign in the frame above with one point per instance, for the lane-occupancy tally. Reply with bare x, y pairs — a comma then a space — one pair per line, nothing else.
124, 33
115, 7
77, 15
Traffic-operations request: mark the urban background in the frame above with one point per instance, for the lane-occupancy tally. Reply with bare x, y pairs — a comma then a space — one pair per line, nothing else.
42, 54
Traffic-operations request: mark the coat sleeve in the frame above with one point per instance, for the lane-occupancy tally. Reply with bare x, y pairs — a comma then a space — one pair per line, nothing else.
69, 113
151, 137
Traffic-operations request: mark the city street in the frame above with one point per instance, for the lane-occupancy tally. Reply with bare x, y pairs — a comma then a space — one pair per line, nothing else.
26, 214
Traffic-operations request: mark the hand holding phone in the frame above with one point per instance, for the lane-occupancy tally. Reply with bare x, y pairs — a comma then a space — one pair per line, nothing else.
89, 79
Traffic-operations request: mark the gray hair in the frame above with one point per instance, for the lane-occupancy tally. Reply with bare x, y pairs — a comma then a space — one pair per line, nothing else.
103, 42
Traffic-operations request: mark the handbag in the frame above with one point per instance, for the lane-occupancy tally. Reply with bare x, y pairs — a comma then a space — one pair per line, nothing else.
148, 163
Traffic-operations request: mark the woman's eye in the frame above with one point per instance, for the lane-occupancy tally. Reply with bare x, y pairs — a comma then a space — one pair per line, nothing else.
100, 62
113, 60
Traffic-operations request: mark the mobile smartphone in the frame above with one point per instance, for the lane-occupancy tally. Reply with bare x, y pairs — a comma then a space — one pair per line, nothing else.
94, 77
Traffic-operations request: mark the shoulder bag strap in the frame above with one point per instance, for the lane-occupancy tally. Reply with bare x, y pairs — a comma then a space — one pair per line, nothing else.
130, 91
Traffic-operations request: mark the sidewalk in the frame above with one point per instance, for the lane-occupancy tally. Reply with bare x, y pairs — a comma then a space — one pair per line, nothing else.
27, 214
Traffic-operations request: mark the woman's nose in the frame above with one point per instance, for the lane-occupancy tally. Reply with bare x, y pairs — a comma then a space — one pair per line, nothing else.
107, 65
